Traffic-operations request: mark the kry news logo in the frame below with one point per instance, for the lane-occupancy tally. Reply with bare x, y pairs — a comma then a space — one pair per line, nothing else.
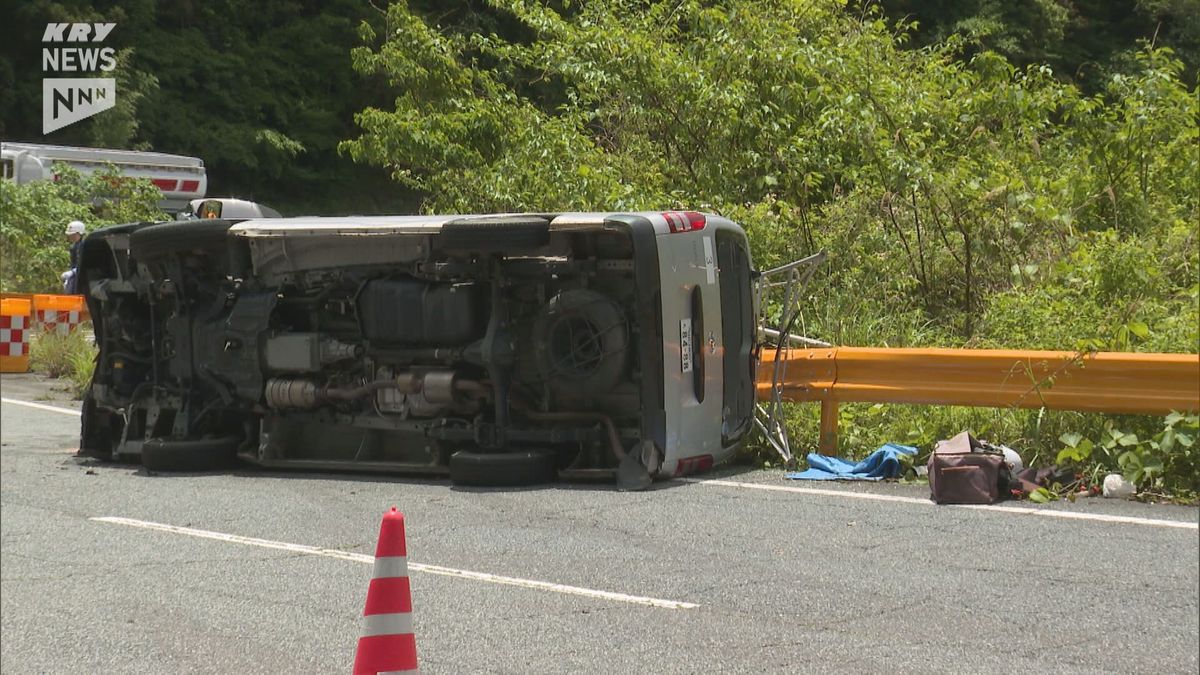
66, 100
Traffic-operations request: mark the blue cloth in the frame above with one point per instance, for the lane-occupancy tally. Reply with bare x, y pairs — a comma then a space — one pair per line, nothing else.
883, 463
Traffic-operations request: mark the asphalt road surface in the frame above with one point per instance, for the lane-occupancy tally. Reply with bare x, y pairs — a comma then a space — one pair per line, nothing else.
740, 571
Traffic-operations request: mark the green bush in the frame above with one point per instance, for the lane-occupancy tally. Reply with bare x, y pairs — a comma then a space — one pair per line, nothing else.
1110, 293
1166, 460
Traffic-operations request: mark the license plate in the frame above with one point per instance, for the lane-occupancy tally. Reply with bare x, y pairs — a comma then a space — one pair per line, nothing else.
685, 344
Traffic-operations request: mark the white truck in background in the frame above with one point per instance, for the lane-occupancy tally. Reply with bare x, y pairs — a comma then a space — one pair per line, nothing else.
180, 178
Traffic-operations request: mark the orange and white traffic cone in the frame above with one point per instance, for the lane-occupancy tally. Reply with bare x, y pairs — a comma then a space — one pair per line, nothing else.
388, 644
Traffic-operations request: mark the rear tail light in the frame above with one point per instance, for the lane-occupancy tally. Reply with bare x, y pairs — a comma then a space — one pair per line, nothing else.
684, 221
693, 465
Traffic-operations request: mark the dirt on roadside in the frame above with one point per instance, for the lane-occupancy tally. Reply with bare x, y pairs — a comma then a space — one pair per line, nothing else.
36, 387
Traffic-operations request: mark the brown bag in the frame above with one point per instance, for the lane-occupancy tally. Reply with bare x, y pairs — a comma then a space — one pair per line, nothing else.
961, 471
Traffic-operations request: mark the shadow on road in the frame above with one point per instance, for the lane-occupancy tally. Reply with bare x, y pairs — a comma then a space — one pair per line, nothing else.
243, 470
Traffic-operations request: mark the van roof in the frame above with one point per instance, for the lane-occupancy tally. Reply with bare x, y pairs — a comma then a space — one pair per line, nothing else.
429, 224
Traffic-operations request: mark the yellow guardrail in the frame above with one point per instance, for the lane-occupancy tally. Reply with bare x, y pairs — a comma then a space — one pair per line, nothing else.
1111, 382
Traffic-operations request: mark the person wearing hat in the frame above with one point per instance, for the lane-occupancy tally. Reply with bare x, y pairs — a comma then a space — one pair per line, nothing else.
75, 231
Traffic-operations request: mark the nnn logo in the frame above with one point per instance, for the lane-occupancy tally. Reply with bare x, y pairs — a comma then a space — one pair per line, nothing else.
66, 100
67, 47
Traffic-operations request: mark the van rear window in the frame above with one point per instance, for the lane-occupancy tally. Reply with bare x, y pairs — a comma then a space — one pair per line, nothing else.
737, 326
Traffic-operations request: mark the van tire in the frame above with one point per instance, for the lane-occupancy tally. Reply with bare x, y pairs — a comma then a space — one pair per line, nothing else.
204, 454
494, 234
166, 238
502, 469
610, 357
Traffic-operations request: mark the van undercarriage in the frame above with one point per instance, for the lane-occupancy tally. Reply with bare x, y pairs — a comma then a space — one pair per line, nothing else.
493, 349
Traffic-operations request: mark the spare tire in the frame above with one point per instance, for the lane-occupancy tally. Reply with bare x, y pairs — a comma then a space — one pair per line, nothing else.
581, 343
502, 469
187, 235
203, 454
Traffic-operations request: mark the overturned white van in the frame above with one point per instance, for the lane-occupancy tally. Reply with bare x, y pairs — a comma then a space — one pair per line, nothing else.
497, 349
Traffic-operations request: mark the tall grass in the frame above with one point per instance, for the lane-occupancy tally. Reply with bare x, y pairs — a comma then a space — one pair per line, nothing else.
69, 356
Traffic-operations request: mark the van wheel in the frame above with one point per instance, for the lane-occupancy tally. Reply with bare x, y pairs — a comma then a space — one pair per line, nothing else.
502, 469
167, 238
205, 454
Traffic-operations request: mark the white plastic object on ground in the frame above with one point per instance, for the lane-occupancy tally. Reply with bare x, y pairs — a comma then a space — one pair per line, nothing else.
1014, 460
1116, 487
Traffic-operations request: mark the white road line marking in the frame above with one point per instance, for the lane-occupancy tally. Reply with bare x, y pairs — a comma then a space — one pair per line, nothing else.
40, 406
1020, 510
414, 567
808, 491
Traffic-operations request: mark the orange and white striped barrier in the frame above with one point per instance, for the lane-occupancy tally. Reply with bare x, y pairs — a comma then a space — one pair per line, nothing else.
59, 313
388, 644
15, 324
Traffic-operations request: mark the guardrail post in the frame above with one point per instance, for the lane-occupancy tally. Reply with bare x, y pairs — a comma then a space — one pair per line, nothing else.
829, 426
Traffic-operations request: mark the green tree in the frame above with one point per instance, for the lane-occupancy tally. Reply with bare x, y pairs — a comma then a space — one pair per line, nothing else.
933, 176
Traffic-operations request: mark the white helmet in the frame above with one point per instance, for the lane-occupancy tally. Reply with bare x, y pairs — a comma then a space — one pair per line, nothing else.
75, 227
